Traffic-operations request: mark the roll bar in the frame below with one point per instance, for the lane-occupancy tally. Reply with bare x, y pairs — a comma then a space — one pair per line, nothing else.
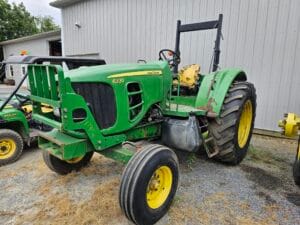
207, 25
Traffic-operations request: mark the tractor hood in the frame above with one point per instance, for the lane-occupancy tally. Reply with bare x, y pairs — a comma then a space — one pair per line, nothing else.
96, 73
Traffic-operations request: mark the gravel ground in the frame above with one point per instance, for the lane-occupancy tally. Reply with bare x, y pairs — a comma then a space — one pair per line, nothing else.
258, 191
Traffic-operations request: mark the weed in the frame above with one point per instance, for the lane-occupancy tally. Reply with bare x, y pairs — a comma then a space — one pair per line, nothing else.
191, 160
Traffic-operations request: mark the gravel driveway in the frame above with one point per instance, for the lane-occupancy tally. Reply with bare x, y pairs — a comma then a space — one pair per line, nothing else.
258, 191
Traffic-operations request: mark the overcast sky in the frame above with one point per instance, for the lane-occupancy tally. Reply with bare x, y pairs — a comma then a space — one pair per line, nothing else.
41, 7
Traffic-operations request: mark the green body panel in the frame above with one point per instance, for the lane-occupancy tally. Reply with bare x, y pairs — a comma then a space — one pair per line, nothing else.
72, 101
180, 110
47, 121
74, 138
14, 119
65, 97
154, 90
182, 106
183, 100
62, 145
149, 130
213, 90
118, 153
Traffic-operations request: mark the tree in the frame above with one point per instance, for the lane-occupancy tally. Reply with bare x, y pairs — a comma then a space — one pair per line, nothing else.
45, 23
16, 21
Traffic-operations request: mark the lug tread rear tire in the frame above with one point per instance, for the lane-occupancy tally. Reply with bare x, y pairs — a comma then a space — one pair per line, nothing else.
224, 129
296, 171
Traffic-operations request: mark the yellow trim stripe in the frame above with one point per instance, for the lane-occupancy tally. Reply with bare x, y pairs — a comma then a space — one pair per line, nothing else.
136, 73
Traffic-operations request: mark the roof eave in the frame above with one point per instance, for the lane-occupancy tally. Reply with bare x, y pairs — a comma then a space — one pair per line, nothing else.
63, 3
32, 37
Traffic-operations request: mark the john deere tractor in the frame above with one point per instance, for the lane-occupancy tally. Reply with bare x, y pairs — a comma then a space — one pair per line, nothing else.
107, 109
291, 127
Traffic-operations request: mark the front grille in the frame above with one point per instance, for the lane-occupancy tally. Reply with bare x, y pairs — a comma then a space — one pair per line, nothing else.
101, 100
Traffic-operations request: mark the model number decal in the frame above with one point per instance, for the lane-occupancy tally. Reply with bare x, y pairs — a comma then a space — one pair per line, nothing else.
118, 80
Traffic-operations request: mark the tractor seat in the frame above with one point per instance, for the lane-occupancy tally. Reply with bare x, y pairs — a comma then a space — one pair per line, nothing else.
188, 76
14, 104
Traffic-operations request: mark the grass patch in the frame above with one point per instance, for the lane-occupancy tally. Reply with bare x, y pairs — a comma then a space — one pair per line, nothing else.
58, 209
261, 155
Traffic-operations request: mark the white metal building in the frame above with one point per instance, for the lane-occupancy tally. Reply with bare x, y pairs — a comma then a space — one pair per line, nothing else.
42, 44
260, 36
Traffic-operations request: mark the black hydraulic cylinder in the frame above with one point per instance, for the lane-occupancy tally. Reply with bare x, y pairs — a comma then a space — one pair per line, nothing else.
177, 42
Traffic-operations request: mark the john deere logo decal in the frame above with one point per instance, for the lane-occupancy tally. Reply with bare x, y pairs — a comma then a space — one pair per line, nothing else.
10, 115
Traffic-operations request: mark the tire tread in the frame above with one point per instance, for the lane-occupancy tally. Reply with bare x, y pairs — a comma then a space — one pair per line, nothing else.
223, 129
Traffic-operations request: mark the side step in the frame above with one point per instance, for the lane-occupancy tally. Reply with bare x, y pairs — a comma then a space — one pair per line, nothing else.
62, 145
210, 147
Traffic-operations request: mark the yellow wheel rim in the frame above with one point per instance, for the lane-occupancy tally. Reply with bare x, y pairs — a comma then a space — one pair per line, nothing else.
8, 148
159, 187
245, 124
74, 160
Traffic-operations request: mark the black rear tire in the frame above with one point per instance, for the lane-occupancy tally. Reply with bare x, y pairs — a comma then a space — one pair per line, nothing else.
241, 96
296, 172
64, 167
11, 146
145, 194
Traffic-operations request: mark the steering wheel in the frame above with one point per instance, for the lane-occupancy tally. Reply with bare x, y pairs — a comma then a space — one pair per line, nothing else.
169, 55
22, 98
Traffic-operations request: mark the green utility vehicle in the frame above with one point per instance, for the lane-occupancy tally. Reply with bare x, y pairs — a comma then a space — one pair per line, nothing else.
16, 124
106, 108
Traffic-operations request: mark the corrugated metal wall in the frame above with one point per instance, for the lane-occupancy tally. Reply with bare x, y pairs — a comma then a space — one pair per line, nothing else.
260, 36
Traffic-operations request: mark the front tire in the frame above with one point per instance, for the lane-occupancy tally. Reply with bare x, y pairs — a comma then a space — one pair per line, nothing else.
149, 183
232, 131
63, 167
11, 146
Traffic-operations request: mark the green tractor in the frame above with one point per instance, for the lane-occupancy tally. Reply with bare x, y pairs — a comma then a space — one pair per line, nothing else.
105, 109
17, 128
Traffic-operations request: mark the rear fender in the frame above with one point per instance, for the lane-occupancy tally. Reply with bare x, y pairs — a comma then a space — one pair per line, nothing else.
213, 90
15, 120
